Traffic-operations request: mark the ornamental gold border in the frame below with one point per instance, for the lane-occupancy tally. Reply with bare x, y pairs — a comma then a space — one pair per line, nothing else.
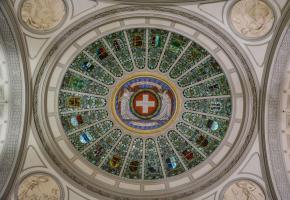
145, 74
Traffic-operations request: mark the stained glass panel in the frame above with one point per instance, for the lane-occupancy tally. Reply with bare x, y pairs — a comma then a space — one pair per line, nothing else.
101, 53
137, 39
133, 168
118, 44
157, 39
97, 152
170, 160
176, 45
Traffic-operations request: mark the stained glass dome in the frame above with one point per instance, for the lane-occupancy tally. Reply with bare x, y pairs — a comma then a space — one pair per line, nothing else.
145, 103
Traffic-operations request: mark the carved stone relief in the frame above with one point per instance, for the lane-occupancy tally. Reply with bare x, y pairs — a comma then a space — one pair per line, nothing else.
39, 186
252, 18
42, 15
244, 190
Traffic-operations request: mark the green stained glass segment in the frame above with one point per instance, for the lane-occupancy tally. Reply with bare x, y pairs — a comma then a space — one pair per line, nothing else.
216, 106
213, 125
83, 64
133, 168
118, 44
80, 140
171, 162
203, 142
189, 155
115, 160
152, 165
99, 51
72, 102
157, 39
216, 87
76, 120
206, 70
191, 57
98, 151
137, 40
175, 47
78, 83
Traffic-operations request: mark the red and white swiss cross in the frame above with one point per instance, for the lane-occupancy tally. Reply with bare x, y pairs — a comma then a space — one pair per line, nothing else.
145, 103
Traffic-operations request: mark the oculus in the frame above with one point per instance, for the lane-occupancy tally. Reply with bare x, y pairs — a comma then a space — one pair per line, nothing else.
144, 104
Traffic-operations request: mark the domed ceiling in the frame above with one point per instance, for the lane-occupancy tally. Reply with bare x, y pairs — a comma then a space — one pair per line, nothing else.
144, 99
145, 118
144, 106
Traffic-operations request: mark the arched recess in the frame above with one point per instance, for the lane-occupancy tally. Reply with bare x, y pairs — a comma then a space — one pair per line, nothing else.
271, 111
15, 98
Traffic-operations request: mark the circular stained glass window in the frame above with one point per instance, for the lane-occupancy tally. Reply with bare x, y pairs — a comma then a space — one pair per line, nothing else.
145, 104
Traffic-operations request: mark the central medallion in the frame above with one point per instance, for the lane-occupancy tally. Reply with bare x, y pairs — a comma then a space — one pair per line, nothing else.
144, 103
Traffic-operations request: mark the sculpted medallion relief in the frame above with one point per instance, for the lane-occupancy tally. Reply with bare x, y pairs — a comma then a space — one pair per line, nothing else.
244, 190
42, 15
252, 18
39, 186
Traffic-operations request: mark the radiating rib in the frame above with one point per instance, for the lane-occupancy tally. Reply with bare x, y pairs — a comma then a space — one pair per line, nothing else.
209, 134
126, 158
210, 115
113, 54
180, 56
191, 144
86, 76
147, 48
80, 111
176, 153
130, 50
81, 93
164, 49
87, 126
99, 64
194, 66
209, 97
160, 159
143, 159
205, 80
96, 141
111, 150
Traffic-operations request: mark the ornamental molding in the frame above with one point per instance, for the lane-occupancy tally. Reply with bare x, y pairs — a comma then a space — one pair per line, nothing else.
276, 67
18, 99
180, 16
